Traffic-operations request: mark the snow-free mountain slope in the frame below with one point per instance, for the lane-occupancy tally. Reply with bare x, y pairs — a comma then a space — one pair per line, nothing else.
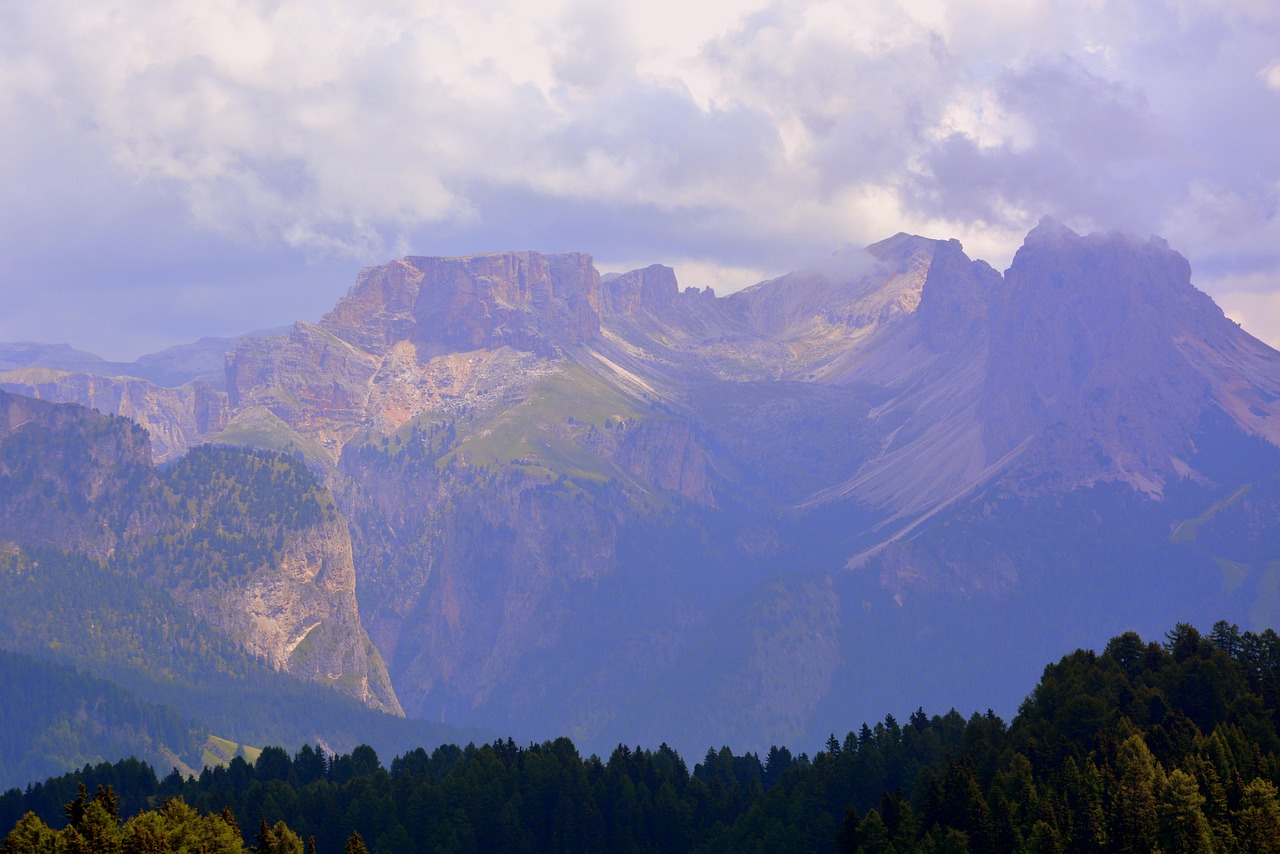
608, 506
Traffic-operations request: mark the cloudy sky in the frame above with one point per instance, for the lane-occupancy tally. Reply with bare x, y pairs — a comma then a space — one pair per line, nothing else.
178, 169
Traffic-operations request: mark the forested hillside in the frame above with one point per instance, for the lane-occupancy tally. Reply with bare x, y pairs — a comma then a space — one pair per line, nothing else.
53, 717
212, 596
1147, 746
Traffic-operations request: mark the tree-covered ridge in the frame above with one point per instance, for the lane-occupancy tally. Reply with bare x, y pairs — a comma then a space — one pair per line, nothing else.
99, 552
142, 647
74, 608
52, 716
228, 512
70, 476
1145, 747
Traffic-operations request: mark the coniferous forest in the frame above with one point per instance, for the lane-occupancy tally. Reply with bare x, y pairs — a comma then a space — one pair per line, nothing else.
1170, 746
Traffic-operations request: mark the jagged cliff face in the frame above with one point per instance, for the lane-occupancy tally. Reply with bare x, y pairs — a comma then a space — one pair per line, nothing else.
299, 613
79, 481
1105, 358
311, 380
523, 300
576, 500
174, 418
652, 290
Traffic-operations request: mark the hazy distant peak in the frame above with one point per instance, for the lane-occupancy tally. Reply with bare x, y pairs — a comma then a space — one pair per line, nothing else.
21, 354
1050, 229
903, 250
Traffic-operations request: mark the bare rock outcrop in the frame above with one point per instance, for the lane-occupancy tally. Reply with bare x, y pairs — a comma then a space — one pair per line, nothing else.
666, 453
652, 289
524, 300
299, 613
1090, 364
312, 380
174, 418
956, 298
505, 568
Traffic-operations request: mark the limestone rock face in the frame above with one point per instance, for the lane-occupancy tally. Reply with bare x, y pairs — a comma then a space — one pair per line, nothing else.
1091, 359
652, 289
522, 300
300, 614
405, 387
378, 310
473, 633
814, 324
955, 301
78, 480
175, 418
668, 455
561, 489
312, 380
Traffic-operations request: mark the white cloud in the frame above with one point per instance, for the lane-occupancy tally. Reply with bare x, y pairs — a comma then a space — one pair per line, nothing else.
1271, 75
761, 131
1258, 313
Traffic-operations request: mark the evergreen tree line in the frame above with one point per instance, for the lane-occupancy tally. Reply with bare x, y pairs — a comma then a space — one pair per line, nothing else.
1168, 747
53, 716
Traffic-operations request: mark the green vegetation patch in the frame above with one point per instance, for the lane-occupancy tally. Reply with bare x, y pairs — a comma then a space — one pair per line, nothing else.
263, 429
218, 751
1186, 531
240, 507
1146, 746
548, 432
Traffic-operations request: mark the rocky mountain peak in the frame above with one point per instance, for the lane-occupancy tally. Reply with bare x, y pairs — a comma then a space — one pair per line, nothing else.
518, 480
900, 250
1049, 231
1092, 354
956, 298
852, 289
1111, 269
524, 300
653, 289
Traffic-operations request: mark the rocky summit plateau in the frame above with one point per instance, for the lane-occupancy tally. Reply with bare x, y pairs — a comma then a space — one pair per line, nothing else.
608, 507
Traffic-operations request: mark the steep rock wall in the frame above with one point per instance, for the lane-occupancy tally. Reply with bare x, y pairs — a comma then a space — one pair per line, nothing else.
300, 614
174, 418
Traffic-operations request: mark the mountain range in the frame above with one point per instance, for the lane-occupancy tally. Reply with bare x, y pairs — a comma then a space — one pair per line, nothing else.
559, 502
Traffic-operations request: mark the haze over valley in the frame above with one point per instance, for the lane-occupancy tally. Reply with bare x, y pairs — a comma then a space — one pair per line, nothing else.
604, 506
404, 406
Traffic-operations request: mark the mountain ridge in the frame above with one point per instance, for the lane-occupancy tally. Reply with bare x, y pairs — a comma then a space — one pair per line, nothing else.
884, 443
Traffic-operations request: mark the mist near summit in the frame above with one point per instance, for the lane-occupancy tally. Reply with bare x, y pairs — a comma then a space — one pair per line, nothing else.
176, 171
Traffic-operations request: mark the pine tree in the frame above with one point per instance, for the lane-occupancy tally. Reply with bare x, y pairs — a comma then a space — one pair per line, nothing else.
1183, 826
1139, 778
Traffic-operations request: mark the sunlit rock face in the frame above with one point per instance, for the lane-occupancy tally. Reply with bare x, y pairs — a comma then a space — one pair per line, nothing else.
524, 300
602, 504
76, 480
300, 614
